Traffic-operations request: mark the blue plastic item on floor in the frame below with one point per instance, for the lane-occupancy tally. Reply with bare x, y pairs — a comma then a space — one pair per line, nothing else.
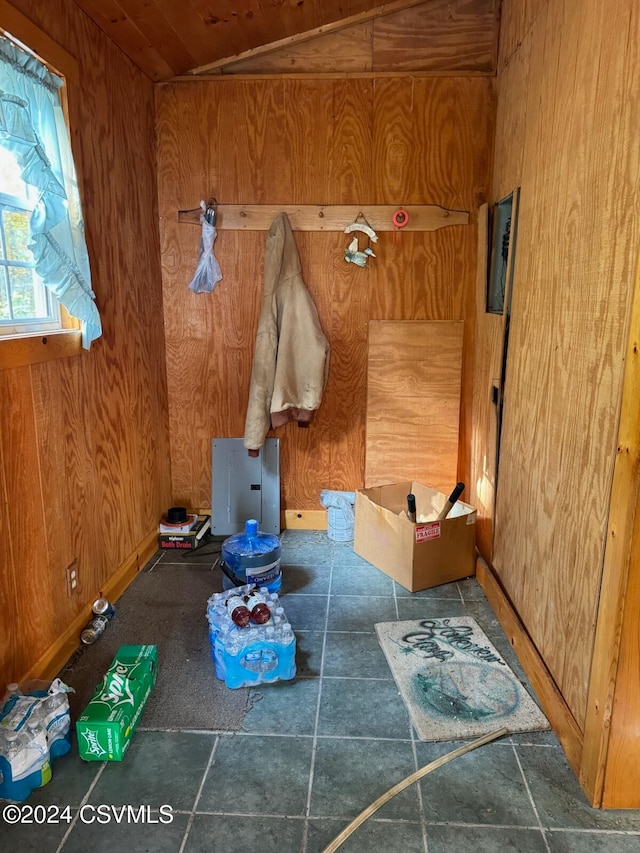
34, 730
24, 763
252, 557
259, 657
257, 654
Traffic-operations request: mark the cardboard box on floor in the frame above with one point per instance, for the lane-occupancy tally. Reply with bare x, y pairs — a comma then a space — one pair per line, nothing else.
421, 555
106, 726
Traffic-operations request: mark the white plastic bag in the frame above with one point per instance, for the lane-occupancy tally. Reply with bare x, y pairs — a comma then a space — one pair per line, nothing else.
207, 273
340, 514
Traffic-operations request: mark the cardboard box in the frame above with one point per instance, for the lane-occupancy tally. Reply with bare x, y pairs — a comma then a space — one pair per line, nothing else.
421, 555
186, 541
107, 724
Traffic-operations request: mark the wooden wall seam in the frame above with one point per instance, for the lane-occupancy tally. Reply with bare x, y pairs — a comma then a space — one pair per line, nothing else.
568, 83
613, 607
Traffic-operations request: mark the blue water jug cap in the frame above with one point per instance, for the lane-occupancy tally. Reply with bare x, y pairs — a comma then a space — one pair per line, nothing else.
251, 527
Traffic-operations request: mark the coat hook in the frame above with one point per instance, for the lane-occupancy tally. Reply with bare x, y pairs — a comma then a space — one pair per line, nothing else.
208, 209
211, 211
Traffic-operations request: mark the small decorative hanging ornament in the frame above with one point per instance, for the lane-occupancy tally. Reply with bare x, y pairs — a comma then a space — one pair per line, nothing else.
400, 219
352, 254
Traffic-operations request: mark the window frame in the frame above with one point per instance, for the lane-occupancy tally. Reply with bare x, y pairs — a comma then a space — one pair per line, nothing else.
499, 226
34, 347
33, 326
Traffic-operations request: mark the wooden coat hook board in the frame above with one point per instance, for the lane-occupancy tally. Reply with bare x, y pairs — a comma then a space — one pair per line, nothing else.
318, 217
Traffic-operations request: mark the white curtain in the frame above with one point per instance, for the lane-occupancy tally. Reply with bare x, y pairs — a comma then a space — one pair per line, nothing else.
32, 126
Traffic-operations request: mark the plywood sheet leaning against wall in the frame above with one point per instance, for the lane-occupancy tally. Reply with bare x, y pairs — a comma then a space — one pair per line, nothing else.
413, 402
567, 132
287, 141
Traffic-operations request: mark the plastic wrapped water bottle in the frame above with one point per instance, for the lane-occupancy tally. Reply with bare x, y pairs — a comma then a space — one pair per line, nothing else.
34, 729
44, 701
24, 761
56, 718
14, 784
38, 753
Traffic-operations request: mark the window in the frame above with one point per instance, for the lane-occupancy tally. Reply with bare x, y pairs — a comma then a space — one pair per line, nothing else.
503, 232
44, 266
26, 305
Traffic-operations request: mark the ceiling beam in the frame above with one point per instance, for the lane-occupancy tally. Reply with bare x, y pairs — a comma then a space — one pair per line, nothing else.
298, 38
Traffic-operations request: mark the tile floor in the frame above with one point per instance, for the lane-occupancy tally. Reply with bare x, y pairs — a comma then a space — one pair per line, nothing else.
316, 751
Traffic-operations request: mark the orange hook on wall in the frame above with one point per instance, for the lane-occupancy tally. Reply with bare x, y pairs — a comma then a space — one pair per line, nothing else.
400, 219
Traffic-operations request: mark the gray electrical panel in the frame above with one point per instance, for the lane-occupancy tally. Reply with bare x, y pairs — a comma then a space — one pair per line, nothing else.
244, 486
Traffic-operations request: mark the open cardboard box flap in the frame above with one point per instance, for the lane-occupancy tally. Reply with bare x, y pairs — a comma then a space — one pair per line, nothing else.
421, 555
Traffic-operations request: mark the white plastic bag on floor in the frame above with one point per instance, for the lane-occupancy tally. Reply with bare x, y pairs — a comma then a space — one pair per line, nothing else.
207, 273
340, 514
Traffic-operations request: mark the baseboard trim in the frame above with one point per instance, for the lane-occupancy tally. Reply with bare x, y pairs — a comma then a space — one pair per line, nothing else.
553, 704
52, 661
304, 519
295, 519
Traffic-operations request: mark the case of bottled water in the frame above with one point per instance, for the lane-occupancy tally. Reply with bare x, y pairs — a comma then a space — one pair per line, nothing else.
34, 730
253, 654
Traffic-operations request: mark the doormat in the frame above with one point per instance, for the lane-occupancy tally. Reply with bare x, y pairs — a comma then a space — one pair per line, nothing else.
166, 607
453, 681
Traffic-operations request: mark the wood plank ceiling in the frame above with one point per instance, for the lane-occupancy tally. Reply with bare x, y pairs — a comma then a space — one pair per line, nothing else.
165, 38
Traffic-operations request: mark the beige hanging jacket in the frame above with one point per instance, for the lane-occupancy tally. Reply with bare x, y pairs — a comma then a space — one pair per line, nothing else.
291, 359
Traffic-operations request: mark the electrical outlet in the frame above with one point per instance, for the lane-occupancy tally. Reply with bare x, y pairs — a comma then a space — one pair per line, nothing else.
71, 573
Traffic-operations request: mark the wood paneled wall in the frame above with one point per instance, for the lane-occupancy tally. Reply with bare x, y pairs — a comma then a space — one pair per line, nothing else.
439, 35
567, 134
268, 141
84, 460
164, 37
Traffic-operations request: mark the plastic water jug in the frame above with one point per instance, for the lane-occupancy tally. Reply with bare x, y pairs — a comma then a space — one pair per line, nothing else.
252, 557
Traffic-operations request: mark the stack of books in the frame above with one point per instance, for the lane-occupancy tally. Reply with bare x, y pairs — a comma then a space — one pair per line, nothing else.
186, 536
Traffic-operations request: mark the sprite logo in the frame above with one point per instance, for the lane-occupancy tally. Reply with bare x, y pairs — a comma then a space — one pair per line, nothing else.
94, 747
117, 690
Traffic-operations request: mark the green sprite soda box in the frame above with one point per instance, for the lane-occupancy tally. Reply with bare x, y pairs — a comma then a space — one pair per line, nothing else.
107, 724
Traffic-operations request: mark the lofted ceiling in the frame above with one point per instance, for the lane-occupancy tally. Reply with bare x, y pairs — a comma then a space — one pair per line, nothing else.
165, 38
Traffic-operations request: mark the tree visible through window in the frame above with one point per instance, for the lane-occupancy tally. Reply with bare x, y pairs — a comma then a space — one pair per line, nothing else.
25, 303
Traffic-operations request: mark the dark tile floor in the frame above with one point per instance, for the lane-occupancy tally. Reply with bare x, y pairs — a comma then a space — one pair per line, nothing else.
316, 751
